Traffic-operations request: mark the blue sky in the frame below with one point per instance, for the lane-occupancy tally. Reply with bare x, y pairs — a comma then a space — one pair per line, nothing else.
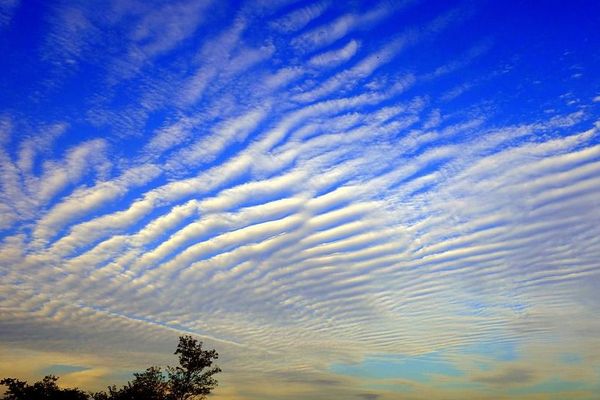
362, 199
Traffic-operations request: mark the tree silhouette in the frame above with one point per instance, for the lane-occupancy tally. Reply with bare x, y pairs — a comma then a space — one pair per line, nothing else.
150, 385
193, 379
46, 389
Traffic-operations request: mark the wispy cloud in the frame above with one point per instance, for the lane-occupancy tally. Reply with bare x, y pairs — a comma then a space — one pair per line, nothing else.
166, 26
299, 18
510, 377
334, 57
7, 10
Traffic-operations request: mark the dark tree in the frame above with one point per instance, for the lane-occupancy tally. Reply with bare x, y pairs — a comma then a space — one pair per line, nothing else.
150, 385
193, 379
46, 389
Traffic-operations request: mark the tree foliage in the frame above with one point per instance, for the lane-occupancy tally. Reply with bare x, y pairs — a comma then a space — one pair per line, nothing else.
192, 379
46, 389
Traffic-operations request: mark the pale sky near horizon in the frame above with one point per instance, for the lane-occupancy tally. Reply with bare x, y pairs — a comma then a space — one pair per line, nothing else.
348, 200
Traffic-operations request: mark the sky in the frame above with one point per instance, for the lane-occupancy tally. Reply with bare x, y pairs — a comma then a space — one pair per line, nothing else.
346, 199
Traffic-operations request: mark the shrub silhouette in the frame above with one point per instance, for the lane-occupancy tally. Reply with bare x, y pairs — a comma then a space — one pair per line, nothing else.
193, 379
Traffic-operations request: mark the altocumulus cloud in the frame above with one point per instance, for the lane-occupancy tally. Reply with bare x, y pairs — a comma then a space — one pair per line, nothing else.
306, 186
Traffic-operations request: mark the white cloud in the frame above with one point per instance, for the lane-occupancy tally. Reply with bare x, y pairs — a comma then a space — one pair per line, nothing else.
334, 57
330, 32
169, 137
85, 201
326, 34
283, 77
211, 145
162, 29
299, 18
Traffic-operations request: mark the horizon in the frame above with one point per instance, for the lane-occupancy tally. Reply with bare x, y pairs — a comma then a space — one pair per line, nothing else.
367, 200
